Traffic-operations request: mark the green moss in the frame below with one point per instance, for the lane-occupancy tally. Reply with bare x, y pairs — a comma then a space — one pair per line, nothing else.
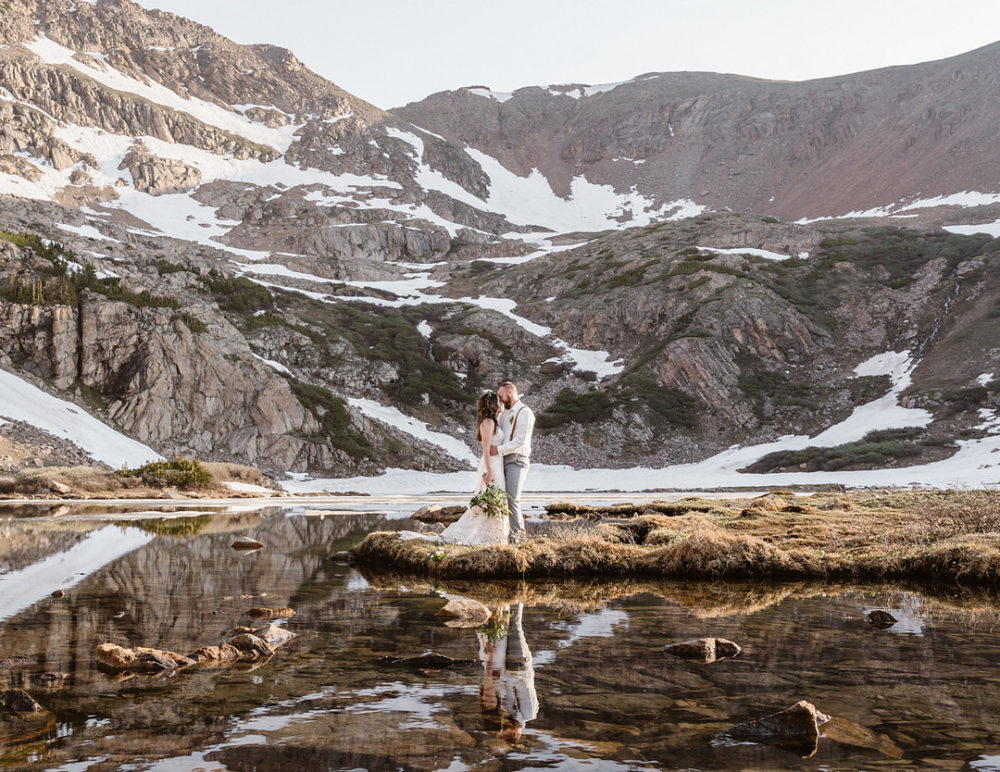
178, 473
762, 385
193, 323
572, 407
876, 449
237, 294
335, 422
175, 527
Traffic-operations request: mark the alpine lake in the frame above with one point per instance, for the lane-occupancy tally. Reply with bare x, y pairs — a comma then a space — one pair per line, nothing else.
594, 688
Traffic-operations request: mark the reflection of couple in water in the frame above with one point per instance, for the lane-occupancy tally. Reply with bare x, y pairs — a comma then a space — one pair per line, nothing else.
508, 676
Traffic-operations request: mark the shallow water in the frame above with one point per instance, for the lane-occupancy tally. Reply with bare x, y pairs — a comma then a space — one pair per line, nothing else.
922, 694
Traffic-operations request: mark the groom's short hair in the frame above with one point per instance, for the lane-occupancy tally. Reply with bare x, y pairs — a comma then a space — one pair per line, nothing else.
509, 385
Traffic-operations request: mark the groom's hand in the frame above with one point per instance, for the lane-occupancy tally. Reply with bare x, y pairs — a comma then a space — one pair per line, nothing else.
493, 450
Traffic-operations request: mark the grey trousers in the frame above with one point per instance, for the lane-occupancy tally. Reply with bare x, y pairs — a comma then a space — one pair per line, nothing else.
515, 468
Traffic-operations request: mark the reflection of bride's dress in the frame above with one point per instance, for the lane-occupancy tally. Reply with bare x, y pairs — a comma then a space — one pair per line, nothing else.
474, 527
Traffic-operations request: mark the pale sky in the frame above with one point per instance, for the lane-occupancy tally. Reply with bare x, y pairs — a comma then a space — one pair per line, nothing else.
391, 52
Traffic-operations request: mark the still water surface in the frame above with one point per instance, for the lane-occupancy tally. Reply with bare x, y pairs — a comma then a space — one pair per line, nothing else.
572, 677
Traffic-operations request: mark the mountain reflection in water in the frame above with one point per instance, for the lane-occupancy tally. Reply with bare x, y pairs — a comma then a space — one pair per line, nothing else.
565, 676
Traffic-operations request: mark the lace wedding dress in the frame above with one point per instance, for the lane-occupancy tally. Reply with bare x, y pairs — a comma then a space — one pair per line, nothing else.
474, 527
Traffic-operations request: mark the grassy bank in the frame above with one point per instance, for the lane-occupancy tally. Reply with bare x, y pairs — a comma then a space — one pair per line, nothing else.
952, 535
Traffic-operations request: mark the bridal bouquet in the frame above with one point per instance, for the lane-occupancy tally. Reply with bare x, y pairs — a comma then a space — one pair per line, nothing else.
492, 502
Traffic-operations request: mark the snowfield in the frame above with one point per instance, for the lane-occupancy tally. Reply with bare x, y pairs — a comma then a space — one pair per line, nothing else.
20, 401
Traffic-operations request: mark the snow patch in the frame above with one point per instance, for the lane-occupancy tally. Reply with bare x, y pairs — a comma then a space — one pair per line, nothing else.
53, 53
748, 251
425, 329
20, 401
411, 426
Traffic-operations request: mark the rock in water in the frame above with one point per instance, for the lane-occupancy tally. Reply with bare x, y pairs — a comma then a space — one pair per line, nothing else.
795, 728
251, 646
58, 594
342, 557
261, 612
246, 543
224, 652
140, 659
435, 513
18, 701
704, 649
881, 619
429, 661
463, 612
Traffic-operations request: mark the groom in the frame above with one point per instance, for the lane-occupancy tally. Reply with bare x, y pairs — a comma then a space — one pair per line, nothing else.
518, 423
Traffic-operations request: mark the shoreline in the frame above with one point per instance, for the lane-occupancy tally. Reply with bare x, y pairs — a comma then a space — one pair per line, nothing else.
951, 536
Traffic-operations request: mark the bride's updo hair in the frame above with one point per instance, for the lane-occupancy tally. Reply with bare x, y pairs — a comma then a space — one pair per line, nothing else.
488, 407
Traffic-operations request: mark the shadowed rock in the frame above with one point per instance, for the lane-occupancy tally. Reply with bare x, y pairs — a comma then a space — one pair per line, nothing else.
704, 649
796, 729
435, 513
18, 701
881, 619
431, 661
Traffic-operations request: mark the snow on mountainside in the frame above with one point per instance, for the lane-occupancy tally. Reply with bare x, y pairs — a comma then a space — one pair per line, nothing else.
288, 276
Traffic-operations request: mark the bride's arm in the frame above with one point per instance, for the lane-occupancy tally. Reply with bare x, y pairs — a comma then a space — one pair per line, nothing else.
486, 429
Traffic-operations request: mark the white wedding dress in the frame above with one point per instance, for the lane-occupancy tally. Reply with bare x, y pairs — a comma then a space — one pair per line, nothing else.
474, 527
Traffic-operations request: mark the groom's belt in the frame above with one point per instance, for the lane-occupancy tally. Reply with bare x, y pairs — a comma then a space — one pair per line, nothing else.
515, 458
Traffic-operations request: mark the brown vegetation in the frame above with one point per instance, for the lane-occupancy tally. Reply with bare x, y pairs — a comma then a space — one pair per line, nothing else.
942, 535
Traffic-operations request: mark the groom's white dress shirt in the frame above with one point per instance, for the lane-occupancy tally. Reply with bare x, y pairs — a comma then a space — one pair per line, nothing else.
518, 423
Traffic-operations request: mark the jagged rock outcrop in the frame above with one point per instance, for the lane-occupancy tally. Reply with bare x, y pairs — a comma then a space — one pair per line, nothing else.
157, 176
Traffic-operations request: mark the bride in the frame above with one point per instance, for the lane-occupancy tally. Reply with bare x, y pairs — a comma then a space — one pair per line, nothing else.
475, 526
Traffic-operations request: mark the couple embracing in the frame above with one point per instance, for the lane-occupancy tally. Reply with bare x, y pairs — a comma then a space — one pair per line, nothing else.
503, 427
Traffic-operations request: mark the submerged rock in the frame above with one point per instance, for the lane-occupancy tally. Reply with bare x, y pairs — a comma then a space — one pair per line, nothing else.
704, 649
463, 612
342, 557
430, 661
795, 729
881, 619
18, 701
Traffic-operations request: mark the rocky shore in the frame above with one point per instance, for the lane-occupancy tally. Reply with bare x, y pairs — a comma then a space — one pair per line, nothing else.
950, 535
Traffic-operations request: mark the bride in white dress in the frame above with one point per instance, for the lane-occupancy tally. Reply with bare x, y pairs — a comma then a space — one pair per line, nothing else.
475, 527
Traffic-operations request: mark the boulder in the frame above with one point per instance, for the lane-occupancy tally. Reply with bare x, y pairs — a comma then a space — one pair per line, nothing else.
464, 612
342, 557
251, 646
795, 729
58, 594
435, 513
881, 619
704, 649
224, 652
58, 487
18, 701
274, 636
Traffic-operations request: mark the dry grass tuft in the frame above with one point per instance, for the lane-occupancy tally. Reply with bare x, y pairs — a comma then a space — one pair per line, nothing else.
951, 535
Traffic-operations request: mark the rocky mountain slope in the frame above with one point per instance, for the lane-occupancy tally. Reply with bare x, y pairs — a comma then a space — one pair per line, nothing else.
221, 254
850, 144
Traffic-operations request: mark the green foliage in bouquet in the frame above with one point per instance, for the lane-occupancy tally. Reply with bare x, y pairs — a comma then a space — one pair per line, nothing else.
492, 502
496, 629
